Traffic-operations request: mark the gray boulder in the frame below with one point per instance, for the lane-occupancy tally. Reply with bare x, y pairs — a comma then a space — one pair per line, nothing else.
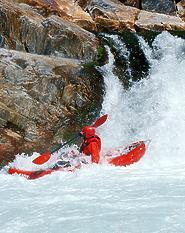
41, 97
160, 6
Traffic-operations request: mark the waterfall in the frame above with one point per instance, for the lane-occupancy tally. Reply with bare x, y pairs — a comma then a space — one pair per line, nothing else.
153, 108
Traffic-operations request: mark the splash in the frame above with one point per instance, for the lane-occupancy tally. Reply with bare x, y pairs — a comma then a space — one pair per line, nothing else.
24, 162
153, 108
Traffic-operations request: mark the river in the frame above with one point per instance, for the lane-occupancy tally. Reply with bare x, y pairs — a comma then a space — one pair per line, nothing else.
148, 196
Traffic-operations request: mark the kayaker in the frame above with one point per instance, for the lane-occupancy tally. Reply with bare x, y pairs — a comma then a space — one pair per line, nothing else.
91, 145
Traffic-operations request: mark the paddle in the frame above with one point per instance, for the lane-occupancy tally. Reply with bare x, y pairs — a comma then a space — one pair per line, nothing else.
46, 156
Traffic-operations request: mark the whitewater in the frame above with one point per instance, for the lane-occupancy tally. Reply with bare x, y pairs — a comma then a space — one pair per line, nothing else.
147, 197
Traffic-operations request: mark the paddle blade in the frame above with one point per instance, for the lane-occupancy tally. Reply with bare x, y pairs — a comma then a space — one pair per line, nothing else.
43, 158
100, 121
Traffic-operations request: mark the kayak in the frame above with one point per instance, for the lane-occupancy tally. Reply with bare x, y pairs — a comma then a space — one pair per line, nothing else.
123, 156
127, 156
31, 175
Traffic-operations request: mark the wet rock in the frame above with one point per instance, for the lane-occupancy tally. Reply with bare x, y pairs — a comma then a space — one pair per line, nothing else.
66, 9
111, 15
82, 3
159, 22
40, 95
6, 152
134, 3
181, 9
9, 143
160, 6
28, 31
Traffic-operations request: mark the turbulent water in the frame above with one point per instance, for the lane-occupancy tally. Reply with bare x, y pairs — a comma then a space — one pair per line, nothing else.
148, 196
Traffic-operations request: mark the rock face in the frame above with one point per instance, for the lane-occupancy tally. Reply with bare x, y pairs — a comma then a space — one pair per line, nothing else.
160, 6
28, 31
181, 9
159, 22
111, 15
40, 96
37, 93
134, 3
27, 28
66, 9
82, 3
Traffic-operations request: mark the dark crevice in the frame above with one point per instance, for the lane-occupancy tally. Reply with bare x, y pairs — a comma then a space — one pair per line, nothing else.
13, 127
25, 47
131, 66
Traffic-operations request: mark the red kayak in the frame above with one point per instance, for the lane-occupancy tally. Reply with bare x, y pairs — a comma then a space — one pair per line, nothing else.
120, 157
31, 175
127, 156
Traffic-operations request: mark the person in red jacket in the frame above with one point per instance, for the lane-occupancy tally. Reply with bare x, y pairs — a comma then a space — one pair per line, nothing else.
91, 144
